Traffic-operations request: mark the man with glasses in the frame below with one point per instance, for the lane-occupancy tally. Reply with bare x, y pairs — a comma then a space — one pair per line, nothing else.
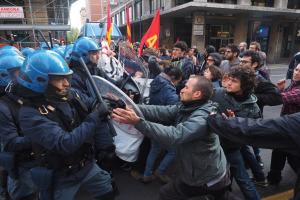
232, 58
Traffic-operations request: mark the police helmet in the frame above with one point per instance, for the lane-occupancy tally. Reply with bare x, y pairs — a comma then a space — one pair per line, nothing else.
44, 45
60, 50
10, 50
37, 68
9, 63
68, 51
82, 47
27, 51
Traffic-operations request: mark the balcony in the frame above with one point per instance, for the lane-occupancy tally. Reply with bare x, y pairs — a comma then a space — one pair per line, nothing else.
223, 1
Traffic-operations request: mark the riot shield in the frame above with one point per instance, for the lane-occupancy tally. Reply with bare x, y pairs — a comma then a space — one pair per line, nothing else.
111, 66
128, 139
134, 66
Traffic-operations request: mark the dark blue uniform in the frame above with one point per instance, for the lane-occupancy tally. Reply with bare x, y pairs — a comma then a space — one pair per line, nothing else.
13, 141
65, 141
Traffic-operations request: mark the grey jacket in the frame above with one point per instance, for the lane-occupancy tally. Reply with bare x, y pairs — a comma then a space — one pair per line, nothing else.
199, 154
247, 108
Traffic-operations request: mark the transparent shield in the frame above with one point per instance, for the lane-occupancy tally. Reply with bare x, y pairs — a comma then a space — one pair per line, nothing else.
128, 138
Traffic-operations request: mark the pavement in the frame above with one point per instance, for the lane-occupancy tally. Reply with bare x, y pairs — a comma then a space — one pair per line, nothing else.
131, 189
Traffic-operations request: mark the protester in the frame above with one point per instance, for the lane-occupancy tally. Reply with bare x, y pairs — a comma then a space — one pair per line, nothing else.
291, 102
214, 74
214, 59
201, 161
237, 97
162, 92
231, 58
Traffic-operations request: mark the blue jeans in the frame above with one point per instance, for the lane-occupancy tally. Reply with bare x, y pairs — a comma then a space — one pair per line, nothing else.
253, 164
239, 172
164, 164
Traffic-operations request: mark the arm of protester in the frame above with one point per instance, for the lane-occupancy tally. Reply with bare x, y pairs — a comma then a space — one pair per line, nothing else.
267, 94
278, 133
159, 114
291, 97
193, 128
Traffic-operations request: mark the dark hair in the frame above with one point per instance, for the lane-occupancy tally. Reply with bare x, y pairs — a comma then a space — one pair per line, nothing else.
217, 58
173, 72
222, 50
210, 49
257, 44
247, 77
195, 50
215, 71
181, 45
203, 85
234, 48
254, 57
163, 51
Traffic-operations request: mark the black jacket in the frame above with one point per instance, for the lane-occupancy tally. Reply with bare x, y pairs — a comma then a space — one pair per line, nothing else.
280, 133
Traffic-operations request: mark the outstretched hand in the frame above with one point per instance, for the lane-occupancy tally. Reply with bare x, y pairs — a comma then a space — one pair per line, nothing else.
126, 116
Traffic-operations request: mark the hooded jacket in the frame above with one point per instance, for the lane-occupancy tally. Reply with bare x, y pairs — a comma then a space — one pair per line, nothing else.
162, 91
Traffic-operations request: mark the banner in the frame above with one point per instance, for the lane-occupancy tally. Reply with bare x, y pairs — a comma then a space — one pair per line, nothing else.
109, 25
128, 26
11, 13
151, 37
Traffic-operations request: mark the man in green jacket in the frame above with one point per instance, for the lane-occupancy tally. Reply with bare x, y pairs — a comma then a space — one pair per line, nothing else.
201, 160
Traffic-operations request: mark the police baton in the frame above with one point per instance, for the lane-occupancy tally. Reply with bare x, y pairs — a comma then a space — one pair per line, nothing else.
98, 96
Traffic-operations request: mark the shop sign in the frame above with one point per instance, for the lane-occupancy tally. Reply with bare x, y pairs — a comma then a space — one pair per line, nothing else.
11, 12
198, 29
223, 34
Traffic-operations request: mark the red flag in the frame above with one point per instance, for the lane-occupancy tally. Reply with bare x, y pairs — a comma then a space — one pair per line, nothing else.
108, 26
151, 37
128, 26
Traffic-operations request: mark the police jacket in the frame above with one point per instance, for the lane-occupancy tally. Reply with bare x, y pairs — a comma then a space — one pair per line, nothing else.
199, 154
79, 80
63, 131
245, 108
12, 138
266, 92
280, 133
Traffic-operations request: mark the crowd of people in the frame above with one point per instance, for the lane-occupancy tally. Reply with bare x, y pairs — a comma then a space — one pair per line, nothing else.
57, 138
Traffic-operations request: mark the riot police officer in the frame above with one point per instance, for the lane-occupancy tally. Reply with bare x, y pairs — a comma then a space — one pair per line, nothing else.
87, 49
16, 157
63, 133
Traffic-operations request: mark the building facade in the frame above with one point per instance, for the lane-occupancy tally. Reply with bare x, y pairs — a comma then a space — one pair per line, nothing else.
273, 23
33, 16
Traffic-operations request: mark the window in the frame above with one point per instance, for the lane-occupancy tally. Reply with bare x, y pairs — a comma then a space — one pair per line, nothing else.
151, 4
137, 10
223, 1
293, 4
123, 17
265, 3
